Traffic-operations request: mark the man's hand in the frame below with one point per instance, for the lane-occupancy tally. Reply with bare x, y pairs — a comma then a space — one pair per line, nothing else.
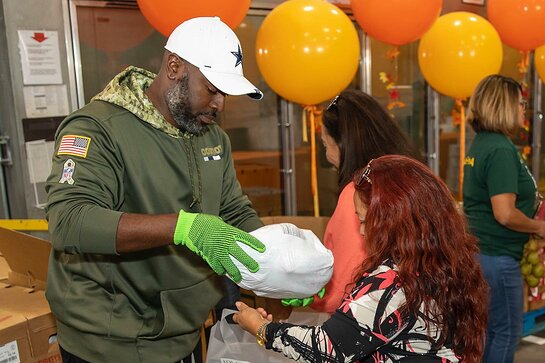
215, 241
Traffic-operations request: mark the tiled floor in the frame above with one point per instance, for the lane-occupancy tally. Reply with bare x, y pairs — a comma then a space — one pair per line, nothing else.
531, 353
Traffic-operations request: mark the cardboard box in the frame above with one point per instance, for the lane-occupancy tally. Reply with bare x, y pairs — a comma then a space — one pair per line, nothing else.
4, 268
27, 258
265, 201
14, 341
261, 182
274, 306
27, 326
257, 175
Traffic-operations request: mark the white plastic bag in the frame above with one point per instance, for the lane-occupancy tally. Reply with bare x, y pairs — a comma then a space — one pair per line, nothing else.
229, 343
295, 264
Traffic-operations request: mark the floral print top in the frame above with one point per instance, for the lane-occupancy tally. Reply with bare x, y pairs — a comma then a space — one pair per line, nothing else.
367, 327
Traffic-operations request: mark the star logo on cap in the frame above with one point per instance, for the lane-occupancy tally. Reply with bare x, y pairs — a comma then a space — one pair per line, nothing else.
238, 55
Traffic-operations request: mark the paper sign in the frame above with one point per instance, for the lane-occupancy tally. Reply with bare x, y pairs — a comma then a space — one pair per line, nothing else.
45, 101
9, 353
39, 155
40, 57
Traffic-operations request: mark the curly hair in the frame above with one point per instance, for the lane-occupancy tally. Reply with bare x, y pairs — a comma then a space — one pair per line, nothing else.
413, 219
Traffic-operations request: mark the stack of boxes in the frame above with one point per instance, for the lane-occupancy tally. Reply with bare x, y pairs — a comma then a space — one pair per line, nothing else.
27, 326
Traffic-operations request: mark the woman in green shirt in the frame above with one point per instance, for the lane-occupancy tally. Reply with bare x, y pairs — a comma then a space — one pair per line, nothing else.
499, 201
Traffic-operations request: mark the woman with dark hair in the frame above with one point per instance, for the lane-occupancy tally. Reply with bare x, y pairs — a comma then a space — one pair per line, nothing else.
500, 196
356, 129
420, 295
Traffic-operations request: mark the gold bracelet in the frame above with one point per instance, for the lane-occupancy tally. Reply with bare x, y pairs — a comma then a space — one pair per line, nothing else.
261, 335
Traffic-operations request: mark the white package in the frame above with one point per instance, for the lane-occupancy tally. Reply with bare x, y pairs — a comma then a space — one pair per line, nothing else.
295, 263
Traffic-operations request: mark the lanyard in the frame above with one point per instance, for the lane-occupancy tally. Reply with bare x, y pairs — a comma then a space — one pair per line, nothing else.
538, 196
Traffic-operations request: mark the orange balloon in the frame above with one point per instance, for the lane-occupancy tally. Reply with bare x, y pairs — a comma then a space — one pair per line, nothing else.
307, 50
458, 51
165, 15
520, 23
396, 22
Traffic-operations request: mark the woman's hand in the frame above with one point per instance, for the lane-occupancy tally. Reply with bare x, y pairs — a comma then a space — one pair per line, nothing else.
250, 319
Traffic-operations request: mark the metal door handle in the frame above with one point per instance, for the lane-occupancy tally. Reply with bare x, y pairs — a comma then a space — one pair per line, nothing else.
5, 152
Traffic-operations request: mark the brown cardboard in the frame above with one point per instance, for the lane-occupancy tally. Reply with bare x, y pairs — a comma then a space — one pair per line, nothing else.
53, 355
4, 268
265, 201
27, 257
254, 174
13, 328
35, 309
261, 183
22, 296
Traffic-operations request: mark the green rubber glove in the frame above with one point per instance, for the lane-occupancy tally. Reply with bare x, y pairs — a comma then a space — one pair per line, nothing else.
215, 241
303, 302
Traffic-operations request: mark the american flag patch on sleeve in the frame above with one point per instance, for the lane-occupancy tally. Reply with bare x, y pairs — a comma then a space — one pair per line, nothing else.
74, 145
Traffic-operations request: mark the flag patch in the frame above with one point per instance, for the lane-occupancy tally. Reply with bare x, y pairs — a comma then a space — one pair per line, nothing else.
74, 145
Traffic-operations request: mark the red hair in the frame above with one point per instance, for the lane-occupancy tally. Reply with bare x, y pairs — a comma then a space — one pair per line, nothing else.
413, 219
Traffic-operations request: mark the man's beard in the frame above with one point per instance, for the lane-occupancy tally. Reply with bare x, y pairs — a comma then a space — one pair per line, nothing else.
177, 98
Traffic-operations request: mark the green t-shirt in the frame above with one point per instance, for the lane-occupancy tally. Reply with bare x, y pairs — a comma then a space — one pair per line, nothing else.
493, 166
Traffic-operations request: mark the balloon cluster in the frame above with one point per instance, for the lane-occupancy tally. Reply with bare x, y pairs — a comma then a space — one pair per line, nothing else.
308, 50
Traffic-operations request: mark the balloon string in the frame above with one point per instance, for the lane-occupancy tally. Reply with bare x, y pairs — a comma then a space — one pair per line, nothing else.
395, 58
524, 133
314, 118
524, 62
392, 54
304, 126
523, 66
459, 104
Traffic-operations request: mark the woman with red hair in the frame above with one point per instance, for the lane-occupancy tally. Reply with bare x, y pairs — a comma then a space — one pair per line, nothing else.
419, 295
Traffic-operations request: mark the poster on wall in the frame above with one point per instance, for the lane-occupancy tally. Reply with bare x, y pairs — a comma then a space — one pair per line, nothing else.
44, 101
40, 57
39, 155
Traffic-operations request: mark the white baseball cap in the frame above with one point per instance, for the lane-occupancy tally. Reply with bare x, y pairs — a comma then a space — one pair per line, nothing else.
210, 45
